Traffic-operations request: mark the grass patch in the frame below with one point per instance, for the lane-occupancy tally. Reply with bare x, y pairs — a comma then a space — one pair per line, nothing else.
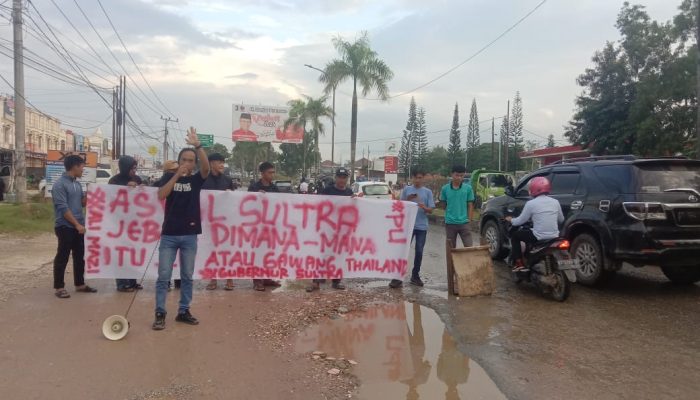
26, 218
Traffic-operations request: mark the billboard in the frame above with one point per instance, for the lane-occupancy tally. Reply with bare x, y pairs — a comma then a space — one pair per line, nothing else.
54, 168
391, 165
263, 124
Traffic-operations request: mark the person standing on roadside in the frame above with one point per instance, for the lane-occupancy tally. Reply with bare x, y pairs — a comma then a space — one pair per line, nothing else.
181, 225
169, 166
459, 199
265, 185
127, 177
340, 188
68, 203
218, 181
422, 196
303, 186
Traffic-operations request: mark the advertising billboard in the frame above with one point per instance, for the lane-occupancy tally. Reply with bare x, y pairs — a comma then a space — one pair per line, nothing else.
54, 168
253, 123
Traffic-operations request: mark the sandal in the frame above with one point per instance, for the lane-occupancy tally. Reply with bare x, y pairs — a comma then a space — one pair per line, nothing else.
229, 286
62, 294
338, 286
259, 287
313, 287
138, 286
126, 289
211, 286
86, 289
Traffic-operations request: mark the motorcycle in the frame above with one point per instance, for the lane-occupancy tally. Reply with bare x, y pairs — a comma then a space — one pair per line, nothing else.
548, 266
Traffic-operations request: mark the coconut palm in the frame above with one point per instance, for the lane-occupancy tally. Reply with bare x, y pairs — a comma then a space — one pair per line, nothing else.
309, 111
359, 63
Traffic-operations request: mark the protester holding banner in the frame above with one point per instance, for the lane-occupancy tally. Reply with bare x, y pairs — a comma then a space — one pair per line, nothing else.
218, 181
265, 185
460, 206
68, 203
170, 166
340, 188
181, 225
127, 177
422, 196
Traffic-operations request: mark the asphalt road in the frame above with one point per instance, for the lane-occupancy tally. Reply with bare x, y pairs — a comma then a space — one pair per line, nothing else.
634, 338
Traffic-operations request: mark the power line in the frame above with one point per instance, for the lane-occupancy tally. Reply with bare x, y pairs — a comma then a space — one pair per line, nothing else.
132, 58
481, 50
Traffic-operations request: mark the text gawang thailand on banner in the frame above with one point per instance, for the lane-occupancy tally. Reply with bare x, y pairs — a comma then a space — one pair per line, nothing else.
253, 235
264, 124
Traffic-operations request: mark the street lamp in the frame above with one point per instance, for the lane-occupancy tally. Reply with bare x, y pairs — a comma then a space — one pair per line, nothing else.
332, 118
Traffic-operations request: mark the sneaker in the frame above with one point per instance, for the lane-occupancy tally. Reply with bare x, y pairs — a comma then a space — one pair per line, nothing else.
187, 318
395, 283
159, 323
416, 281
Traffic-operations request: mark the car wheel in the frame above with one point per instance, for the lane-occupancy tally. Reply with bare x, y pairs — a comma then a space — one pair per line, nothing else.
682, 275
492, 235
589, 254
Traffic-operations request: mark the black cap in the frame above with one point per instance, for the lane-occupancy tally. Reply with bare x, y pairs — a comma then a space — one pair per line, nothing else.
245, 116
216, 157
342, 172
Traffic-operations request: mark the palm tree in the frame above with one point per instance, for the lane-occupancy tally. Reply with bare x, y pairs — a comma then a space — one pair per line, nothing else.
309, 111
359, 63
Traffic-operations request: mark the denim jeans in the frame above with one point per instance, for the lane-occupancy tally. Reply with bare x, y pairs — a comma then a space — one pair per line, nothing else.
167, 251
420, 237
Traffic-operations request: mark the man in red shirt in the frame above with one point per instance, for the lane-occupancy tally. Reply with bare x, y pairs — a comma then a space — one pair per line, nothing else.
244, 134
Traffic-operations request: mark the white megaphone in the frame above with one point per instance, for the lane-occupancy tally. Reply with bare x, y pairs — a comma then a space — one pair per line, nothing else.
115, 327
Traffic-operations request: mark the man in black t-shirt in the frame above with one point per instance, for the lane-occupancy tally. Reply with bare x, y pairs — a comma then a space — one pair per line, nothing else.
181, 225
218, 181
265, 185
340, 188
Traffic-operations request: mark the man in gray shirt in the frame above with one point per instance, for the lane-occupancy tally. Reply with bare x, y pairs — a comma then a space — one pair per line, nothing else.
68, 203
546, 215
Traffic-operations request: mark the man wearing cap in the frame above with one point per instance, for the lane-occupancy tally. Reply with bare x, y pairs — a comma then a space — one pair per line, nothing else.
244, 134
218, 181
340, 188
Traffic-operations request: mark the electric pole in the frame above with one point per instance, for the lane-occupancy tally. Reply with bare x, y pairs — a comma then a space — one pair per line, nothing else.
20, 148
507, 138
697, 93
493, 140
123, 86
114, 123
165, 139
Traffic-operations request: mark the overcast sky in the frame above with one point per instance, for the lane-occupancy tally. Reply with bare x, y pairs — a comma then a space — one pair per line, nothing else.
202, 56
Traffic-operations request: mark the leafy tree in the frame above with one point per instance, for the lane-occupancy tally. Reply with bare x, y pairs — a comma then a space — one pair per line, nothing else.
247, 155
515, 136
639, 97
503, 142
293, 155
437, 161
421, 139
472, 136
408, 140
455, 148
218, 148
361, 65
550, 141
309, 111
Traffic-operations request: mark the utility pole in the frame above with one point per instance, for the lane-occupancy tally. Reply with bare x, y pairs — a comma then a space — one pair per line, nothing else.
507, 136
114, 123
697, 93
369, 161
165, 139
335, 85
123, 141
493, 139
20, 148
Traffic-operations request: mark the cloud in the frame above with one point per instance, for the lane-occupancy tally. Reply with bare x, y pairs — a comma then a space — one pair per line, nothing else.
245, 75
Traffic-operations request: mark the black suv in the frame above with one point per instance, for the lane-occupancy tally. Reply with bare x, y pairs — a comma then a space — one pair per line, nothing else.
617, 209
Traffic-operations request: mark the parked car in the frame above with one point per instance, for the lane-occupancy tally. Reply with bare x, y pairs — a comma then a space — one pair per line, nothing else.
372, 190
617, 209
103, 175
285, 186
489, 184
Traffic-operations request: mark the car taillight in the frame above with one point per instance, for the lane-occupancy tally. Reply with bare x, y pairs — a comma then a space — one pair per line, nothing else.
564, 245
643, 211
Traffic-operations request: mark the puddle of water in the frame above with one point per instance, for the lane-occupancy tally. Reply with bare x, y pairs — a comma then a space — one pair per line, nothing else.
404, 352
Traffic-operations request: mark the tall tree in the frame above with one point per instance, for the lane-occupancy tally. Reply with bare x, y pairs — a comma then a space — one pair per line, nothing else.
361, 65
515, 136
218, 148
421, 139
454, 150
503, 142
550, 141
408, 145
291, 161
309, 111
472, 137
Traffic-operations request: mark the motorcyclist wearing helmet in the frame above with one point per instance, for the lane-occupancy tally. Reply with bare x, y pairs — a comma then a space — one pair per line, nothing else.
545, 214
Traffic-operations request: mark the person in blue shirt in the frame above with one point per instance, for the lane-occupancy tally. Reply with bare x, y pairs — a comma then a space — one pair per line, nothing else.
459, 199
68, 203
422, 196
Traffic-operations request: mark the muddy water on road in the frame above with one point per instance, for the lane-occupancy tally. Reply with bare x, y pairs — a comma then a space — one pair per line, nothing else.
404, 352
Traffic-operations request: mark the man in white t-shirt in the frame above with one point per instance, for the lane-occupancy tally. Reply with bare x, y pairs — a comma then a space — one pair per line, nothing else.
304, 186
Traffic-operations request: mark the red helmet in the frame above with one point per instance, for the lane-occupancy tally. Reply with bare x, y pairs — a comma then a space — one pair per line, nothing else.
540, 185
